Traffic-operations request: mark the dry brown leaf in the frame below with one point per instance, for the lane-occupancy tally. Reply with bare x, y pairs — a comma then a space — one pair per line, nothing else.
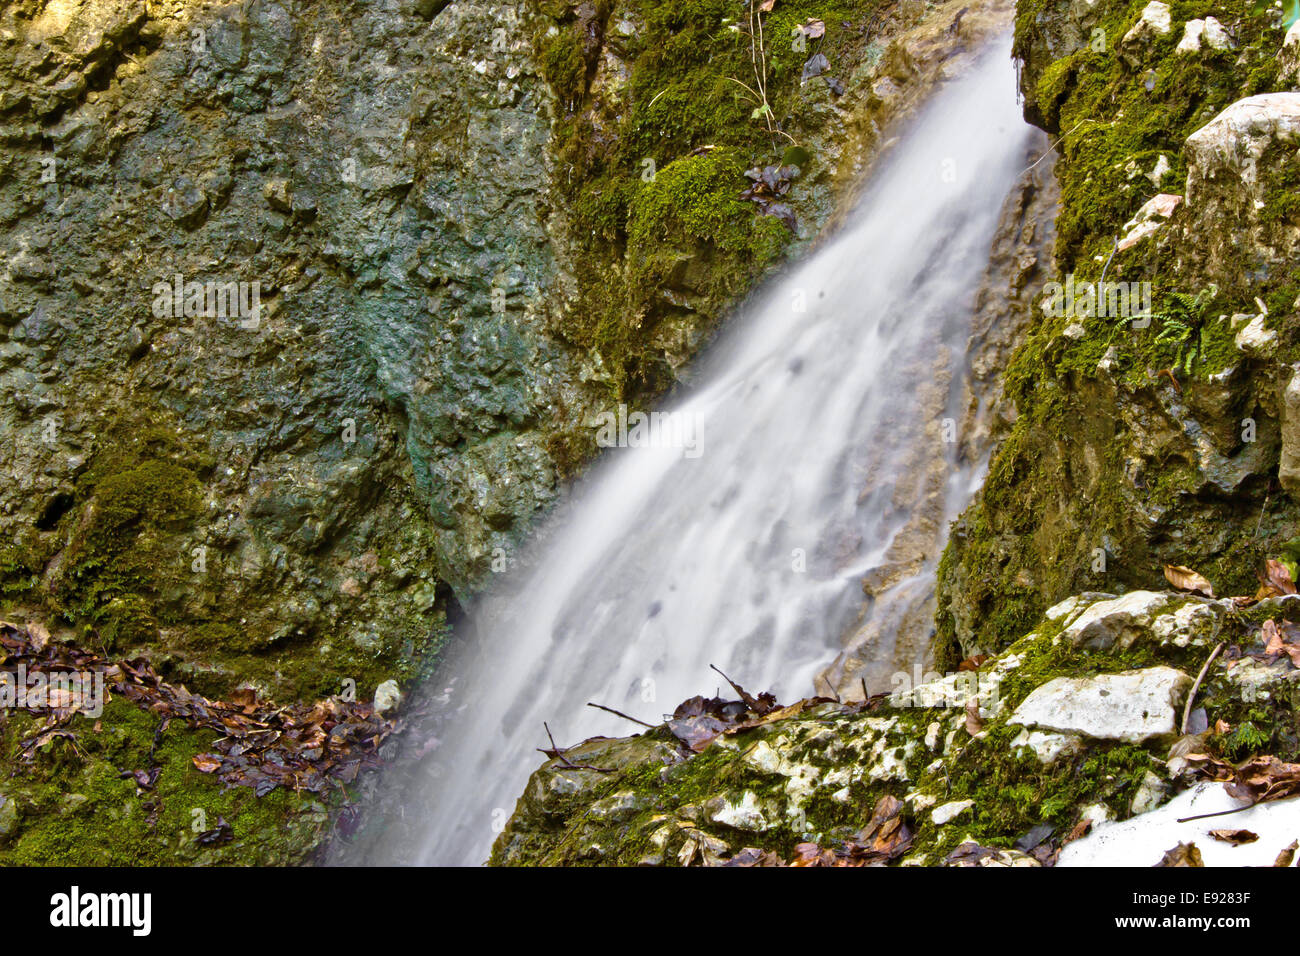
1287, 855
1185, 579
1235, 837
207, 763
1078, 832
1279, 578
38, 634
974, 724
1275, 645
1185, 854
1261, 779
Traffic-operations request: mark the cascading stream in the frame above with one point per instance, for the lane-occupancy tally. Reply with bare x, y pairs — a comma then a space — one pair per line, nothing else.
816, 433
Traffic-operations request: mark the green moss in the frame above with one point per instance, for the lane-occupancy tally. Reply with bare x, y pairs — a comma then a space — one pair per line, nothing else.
79, 805
1072, 476
564, 66
119, 560
650, 216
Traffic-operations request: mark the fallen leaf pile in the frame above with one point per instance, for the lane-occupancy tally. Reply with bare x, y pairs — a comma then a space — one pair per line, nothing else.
32, 648
770, 185
1275, 581
697, 721
1261, 779
886, 837
262, 746
1280, 640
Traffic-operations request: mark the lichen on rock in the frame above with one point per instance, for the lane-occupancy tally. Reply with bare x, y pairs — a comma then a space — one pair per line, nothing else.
1015, 757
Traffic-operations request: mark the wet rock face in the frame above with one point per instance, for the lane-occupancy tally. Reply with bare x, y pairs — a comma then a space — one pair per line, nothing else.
329, 271
1289, 468
1040, 742
898, 629
297, 250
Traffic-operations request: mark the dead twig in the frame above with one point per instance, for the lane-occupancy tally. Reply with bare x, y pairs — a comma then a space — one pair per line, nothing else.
1218, 813
619, 713
558, 753
1191, 696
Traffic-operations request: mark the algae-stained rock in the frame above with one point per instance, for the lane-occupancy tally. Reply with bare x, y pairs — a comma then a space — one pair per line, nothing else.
1289, 467
1133, 706
9, 818
1288, 58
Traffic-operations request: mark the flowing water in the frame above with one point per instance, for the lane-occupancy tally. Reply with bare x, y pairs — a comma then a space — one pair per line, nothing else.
810, 426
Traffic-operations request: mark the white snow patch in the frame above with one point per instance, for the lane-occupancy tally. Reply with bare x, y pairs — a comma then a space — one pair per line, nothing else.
1143, 840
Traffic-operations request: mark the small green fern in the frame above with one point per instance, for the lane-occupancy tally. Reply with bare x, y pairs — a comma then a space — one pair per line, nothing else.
1182, 319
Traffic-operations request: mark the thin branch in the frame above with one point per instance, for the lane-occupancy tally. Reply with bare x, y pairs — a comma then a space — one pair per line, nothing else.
558, 753
1061, 139
619, 713
1220, 813
1191, 697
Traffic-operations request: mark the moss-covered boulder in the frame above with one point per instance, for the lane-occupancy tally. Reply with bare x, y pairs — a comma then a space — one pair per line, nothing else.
986, 768
1147, 408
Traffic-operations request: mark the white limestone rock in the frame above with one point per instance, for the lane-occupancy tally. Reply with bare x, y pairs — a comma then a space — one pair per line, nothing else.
1119, 621
1151, 792
744, 814
1154, 23
1148, 220
1256, 338
1196, 622
950, 811
1208, 33
388, 698
1227, 148
1133, 706
1047, 747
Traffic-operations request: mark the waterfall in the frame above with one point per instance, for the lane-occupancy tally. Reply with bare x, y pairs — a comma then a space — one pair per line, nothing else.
815, 430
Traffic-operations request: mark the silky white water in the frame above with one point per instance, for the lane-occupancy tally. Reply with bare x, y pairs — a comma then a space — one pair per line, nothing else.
748, 550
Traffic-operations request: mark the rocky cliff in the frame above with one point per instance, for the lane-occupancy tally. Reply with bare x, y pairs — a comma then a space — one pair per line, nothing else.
1150, 421
306, 309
